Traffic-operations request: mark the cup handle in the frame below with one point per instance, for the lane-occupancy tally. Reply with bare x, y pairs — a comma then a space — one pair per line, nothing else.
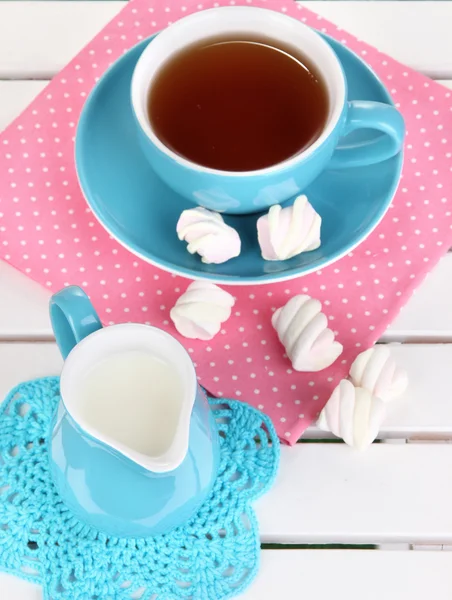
73, 317
370, 115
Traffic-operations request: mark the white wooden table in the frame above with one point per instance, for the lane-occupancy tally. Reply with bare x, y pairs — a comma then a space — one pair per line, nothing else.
398, 495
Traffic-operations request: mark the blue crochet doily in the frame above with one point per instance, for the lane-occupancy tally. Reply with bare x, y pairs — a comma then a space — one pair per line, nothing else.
214, 556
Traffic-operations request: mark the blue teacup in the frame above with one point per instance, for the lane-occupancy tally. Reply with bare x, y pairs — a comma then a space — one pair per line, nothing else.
253, 191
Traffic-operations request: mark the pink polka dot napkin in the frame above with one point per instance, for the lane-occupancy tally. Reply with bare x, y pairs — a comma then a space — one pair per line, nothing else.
47, 231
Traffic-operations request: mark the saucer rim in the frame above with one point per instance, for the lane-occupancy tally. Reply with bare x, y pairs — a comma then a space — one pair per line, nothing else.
233, 280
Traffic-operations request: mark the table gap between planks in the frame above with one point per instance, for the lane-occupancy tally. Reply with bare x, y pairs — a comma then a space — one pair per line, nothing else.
337, 522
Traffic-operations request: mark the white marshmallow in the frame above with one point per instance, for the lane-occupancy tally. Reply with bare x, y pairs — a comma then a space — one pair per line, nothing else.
286, 232
352, 414
201, 310
376, 371
303, 330
208, 235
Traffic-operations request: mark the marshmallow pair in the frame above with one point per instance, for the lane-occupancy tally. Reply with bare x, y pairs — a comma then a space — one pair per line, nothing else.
282, 232
356, 408
301, 326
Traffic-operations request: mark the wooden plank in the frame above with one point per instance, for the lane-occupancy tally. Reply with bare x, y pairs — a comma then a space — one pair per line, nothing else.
425, 318
446, 82
21, 362
352, 575
329, 493
37, 39
15, 96
403, 30
424, 412
23, 306
384, 495
36, 42
326, 574
12, 588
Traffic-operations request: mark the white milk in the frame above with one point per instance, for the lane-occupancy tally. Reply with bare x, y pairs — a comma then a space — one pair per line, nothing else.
134, 398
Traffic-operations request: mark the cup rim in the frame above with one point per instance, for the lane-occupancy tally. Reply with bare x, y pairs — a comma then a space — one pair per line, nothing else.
145, 126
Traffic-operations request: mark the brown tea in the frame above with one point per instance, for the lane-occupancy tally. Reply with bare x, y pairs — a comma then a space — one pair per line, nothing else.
237, 104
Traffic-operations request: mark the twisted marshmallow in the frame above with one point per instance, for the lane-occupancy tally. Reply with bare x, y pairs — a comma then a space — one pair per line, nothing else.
376, 371
352, 414
286, 232
201, 310
303, 330
208, 235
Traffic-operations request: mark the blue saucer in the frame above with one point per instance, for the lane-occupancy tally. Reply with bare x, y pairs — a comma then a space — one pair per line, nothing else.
141, 212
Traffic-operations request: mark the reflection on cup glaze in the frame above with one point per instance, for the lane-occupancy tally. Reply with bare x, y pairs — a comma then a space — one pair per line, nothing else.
276, 193
216, 197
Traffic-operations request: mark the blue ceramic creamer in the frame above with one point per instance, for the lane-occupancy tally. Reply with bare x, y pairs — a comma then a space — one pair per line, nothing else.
135, 448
